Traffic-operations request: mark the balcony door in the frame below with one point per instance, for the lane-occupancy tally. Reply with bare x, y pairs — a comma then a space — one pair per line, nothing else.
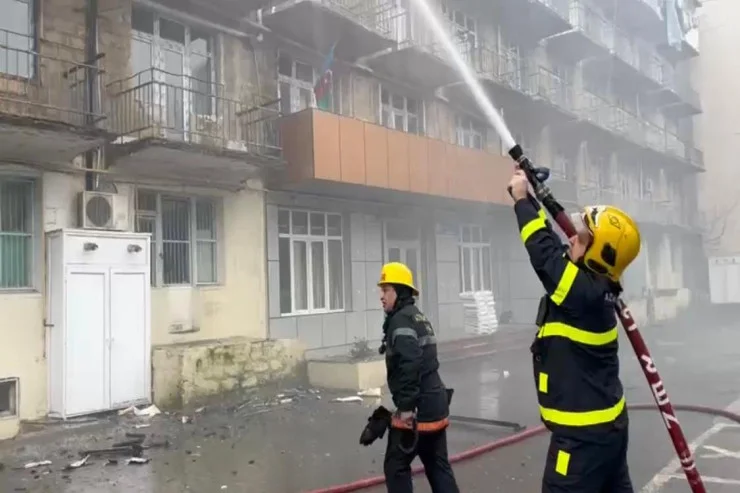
403, 244
173, 74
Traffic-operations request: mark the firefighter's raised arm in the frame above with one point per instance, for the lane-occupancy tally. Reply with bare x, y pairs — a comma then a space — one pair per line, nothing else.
559, 276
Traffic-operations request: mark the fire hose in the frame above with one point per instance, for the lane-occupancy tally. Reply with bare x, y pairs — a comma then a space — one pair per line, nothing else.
537, 177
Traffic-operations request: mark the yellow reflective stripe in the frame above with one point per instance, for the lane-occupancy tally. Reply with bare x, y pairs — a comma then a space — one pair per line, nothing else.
561, 463
584, 418
533, 226
542, 386
565, 283
557, 329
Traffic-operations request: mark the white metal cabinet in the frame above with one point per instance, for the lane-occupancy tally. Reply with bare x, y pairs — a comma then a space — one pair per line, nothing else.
99, 321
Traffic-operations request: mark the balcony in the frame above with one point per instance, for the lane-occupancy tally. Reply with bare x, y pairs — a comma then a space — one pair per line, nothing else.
591, 35
326, 149
418, 58
46, 116
676, 99
640, 16
169, 125
631, 62
359, 28
544, 86
533, 20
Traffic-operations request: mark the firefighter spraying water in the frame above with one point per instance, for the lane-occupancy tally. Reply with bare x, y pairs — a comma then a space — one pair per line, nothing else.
543, 194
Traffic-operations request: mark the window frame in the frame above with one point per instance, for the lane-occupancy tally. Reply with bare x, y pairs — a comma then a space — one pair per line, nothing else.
297, 84
34, 15
481, 249
157, 274
158, 44
467, 129
308, 239
392, 111
33, 234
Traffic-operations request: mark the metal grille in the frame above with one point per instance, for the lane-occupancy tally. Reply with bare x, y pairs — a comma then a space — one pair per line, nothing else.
184, 237
155, 103
45, 87
16, 234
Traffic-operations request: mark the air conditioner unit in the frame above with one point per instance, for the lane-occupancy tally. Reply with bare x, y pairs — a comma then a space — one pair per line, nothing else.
100, 210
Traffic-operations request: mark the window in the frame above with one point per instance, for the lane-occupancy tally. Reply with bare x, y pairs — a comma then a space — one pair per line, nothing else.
182, 59
296, 82
16, 234
17, 38
311, 262
475, 260
464, 32
184, 237
401, 113
470, 133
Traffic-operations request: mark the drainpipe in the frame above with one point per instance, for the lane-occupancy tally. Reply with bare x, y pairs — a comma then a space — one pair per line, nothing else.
91, 79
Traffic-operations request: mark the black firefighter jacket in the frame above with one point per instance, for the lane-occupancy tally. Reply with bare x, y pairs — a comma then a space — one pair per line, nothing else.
575, 362
412, 365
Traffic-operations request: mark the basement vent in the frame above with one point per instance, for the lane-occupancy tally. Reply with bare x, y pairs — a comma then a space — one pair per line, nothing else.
8, 397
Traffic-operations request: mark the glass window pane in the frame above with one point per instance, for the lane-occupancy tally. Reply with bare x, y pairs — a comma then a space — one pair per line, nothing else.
318, 224
15, 207
300, 280
286, 305
318, 274
413, 127
285, 65
200, 42
201, 84
300, 223
466, 265
176, 262
384, 97
466, 234
475, 234
413, 106
413, 263
141, 62
175, 219
172, 31
142, 20
304, 72
15, 260
336, 277
398, 122
334, 225
205, 220
285, 99
398, 102
306, 98
486, 268
146, 201
283, 221
475, 270
394, 254
206, 261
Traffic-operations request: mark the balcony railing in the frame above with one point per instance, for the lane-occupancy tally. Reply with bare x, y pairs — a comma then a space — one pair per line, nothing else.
548, 85
178, 108
503, 65
560, 7
44, 87
379, 16
595, 27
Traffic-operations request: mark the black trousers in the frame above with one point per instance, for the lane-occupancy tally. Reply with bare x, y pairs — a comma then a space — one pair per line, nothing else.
431, 449
575, 466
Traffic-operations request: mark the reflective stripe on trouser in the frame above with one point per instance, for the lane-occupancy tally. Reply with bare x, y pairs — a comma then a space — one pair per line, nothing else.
421, 426
583, 418
558, 329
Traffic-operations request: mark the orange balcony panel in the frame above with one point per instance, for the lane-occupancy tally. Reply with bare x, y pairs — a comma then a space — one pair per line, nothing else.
376, 156
399, 161
352, 156
418, 164
320, 146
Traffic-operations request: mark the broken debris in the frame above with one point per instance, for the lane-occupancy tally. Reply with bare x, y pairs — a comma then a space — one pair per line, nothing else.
352, 398
33, 465
78, 463
138, 460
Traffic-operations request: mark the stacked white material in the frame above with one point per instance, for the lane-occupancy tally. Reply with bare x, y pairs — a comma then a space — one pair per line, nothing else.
479, 313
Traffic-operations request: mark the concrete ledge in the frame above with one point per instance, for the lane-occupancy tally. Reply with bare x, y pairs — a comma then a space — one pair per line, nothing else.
183, 373
343, 374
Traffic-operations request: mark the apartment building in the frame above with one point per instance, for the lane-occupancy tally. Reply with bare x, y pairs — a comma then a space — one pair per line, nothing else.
258, 217
404, 160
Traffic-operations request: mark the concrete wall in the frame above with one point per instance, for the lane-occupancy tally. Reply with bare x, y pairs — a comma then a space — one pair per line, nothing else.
235, 307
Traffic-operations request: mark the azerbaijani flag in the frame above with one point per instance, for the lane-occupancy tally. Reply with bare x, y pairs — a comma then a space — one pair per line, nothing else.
323, 88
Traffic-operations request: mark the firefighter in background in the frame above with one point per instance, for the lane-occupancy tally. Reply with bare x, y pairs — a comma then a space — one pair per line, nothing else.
576, 367
419, 395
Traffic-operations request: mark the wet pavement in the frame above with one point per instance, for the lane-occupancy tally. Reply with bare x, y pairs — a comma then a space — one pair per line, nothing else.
310, 442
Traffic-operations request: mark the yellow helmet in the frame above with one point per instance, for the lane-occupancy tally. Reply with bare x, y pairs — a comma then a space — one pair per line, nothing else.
397, 273
615, 240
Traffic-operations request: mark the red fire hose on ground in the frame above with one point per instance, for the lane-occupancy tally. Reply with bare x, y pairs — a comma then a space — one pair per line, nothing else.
370, 482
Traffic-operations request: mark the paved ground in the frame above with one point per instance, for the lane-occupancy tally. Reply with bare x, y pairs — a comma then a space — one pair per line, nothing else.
311, 443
